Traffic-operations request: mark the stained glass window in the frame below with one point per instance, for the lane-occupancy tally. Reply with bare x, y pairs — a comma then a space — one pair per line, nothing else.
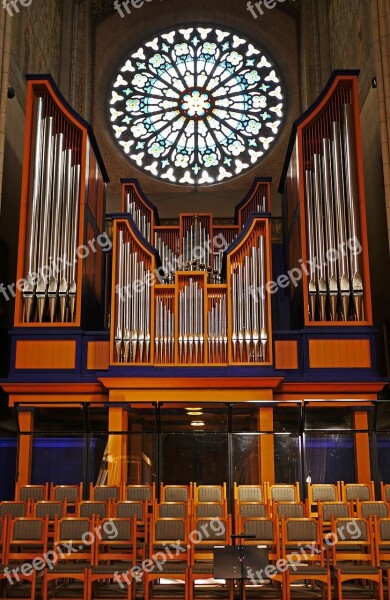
196, 106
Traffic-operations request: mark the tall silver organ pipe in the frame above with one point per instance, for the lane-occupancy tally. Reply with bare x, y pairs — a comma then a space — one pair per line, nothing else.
140, 220
249, 307
333, 229
132, 328
311, 245
352, 198
330, 245
52, 223
191, 323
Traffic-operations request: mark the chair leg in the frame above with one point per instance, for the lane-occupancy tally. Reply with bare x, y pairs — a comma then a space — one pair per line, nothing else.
339, 588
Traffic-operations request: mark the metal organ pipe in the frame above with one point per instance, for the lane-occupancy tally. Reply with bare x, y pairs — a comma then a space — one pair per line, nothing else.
52, 221
333, 225
352, 198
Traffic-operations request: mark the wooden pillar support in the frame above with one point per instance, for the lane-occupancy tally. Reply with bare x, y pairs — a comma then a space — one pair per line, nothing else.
266, 446
362, 448
26, 425
117, 446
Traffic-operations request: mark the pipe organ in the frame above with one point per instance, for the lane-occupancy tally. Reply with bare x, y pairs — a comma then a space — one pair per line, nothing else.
324, 201
198, 296
63, 199
193, 312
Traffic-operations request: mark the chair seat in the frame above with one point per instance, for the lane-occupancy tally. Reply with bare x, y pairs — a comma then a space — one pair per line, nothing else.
171, 567
71, 568
308, 570
352, 569
203, 568
112, 568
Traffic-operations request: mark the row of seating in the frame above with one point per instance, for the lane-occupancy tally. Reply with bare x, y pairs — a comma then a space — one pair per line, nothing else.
95, 551
264, 492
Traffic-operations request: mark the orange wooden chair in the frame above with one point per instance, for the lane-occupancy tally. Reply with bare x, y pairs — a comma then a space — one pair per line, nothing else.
31, 492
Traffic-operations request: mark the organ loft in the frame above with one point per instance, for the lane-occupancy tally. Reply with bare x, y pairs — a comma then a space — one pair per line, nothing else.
194, 298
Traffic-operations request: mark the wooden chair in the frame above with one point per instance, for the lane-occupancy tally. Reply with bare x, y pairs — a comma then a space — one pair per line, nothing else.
90, 508
385, 491
290, 510
139, 493
139, 510
209, 533
25, 552
73, 536
15, 509
23, 493
337, 510
353, 554
303, 548
170, 510
72, 494
357, 492
209, 493
372, 509
250, 510
50, 509
175, 493
321, 492
382, 548
266, 533
115, 555
104, 493
248, 493
166, 561
283, 492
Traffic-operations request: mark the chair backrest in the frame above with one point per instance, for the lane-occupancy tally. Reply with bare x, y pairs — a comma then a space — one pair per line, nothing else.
333, 509
283, 493
323, 492
103, 493
252, 509
171, 509
262, 529
174, 493
298, 535
138, 493
382, 539
27, 538
90, 508
352, 540
70, 493
385, 492
127, 510
50, 509
373, 509
31, 492
169, 530
291, 509
249, 493
77, 532
209, 493
14, 509
357, 491
209, 509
